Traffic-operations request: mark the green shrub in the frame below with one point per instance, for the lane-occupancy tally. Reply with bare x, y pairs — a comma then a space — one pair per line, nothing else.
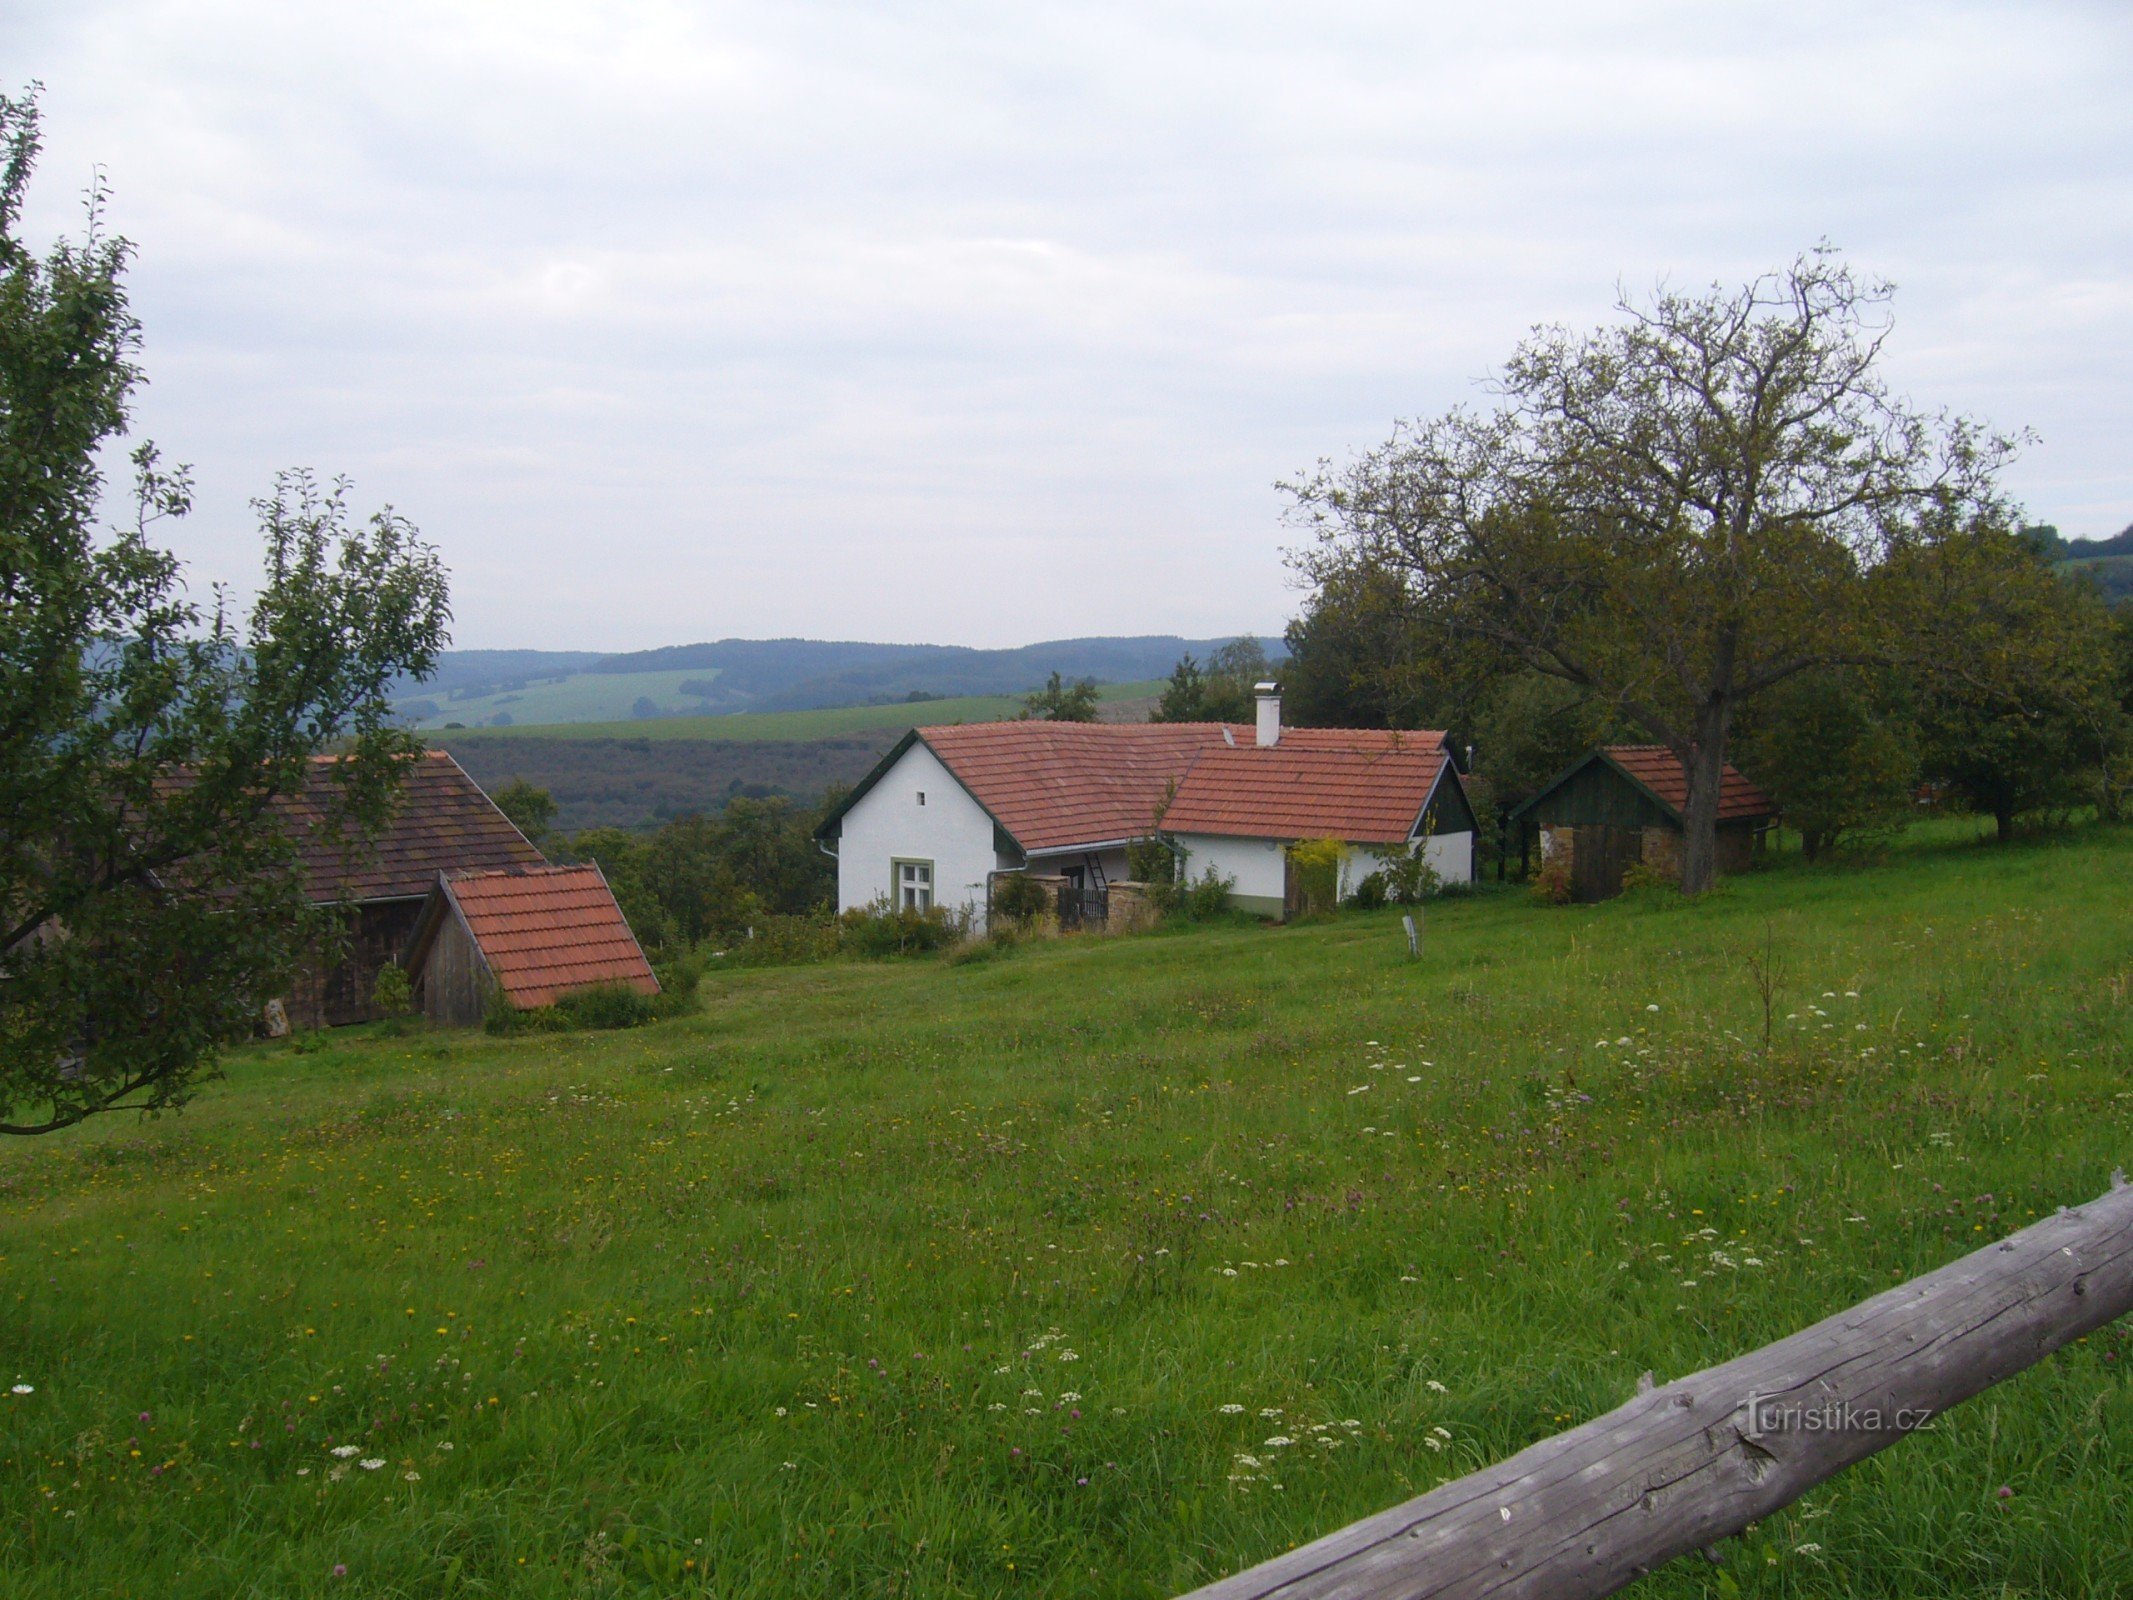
601, 1007
785, 941
393, 994
606, 1005
1409, 878
1153, 861
1369, 893
1643, 875
880, 929
1316, 866
1551, 884
1205, 896
1017, 897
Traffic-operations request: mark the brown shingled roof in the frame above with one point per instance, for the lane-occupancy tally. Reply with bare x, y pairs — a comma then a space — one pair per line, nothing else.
1055, 784
1364, 786
1655, 766
444, 823
545, 931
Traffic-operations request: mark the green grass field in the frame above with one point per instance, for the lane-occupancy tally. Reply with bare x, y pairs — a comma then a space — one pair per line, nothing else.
578, 697
1095, 1268
802, 725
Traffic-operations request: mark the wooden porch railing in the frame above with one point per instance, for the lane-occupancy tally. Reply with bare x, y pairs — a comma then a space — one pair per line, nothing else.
1692, 1462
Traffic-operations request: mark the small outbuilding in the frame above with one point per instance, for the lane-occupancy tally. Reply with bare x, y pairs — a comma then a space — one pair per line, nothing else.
522, 937
1622, 805
442, 822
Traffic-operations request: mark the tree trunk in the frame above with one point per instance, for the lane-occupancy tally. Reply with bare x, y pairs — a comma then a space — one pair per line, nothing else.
1705, 767
2003, 822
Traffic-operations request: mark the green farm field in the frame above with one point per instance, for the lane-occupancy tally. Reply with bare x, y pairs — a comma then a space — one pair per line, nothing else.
1097, 1267
832, 722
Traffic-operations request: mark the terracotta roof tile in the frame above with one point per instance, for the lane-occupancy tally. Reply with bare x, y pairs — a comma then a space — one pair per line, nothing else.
545, 931
1654, 766
1056, 784
444, 823
1364, 786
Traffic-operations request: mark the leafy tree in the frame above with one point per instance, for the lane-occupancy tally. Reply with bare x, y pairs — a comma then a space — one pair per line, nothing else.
1675, 514
1184, 697
1062, 702
1219, 692
710, 877
2015, 684
1838, 753
530, 808
150, 898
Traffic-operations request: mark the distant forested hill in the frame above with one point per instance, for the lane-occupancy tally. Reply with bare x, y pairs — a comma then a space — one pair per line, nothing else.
522, 688
807, 674
2108, 562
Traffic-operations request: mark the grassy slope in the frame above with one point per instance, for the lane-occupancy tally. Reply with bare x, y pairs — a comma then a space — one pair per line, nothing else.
935, 1279
799, 725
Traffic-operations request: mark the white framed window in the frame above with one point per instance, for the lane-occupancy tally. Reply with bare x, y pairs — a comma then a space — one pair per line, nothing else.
914, 885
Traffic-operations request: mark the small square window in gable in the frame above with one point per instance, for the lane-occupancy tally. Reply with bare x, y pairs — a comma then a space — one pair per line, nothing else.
921, 797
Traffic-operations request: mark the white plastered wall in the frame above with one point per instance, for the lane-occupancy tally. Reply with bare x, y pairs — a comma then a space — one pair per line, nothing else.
888, 824
1258, 865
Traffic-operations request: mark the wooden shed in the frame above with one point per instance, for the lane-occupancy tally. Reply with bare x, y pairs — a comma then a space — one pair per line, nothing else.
520, 937
1621, 805
377, 887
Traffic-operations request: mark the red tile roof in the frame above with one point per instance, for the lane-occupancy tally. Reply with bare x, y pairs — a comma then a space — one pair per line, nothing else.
545, 931
1057, 784
444, 823
1364, 786
1655, 766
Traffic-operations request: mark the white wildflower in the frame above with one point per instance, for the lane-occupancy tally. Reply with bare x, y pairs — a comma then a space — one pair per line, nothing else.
371, 1463
344, 1451
1232, 1409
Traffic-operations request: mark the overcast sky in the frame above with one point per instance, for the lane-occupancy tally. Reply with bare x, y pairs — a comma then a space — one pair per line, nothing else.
987, 323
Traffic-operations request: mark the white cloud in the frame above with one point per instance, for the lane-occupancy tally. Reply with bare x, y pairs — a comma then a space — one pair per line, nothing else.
981, 323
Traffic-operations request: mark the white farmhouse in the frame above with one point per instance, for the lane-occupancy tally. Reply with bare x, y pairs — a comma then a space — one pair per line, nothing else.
949, 809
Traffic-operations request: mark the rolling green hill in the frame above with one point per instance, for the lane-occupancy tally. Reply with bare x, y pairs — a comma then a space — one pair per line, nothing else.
788, 726
491, 687
579, 697
1094, 1268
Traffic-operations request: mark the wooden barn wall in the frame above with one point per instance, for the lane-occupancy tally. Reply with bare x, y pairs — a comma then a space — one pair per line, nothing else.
334, 987
453, 985
1597, 796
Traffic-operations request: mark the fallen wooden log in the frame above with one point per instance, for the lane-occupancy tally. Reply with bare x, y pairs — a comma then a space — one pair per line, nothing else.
1685, 1465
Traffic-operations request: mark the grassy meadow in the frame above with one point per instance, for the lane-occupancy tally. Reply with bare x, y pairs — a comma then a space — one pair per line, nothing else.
1097, 1267
830, 723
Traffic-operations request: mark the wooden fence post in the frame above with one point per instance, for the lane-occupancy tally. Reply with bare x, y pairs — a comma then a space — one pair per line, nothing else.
1686, 1464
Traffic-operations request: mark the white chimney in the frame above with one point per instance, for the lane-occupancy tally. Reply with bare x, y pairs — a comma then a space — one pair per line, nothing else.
1269, 697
